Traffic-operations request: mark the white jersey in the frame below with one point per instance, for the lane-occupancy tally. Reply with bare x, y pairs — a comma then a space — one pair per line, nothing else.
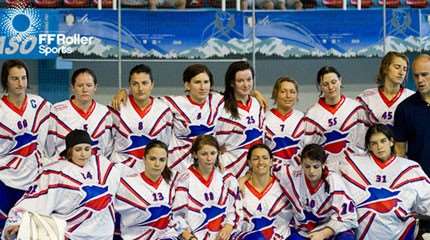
82, 196
266, 214
379, 107
189, 121
23, 135
66, 116
283, 135
388, 195
337, 128
238, 135
145, 208
134, 128
205, 206
326, 205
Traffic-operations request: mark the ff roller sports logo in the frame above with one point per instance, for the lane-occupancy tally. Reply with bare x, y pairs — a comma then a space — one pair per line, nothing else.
23, 31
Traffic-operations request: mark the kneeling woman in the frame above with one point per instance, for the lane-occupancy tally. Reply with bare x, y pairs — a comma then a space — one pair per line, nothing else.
265, 206
389, 190
206, 199
322, 208
143, 200
79, 190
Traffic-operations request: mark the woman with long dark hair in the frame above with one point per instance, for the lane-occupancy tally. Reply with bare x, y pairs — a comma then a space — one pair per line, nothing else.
241, 120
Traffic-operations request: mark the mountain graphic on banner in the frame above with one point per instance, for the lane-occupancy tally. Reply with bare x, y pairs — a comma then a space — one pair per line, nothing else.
269, 47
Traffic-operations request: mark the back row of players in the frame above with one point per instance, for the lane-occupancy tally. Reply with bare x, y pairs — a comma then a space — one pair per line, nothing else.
236, 119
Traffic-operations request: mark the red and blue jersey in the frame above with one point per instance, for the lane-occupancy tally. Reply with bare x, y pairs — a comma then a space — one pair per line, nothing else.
238, 135
266, 213
379, 108
82, 196
284, 135
23, 133
190, 120
145, 207
204, 206
338, 128
387, 194
133, 128
66, 116
328, 204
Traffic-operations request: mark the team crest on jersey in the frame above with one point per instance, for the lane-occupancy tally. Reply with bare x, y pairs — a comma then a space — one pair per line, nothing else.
96, 198
380, 200
158, 217
335, 141
214, 217
25, 145
262, 229
198, 130
253, 136
137, 145
310, 220
285, 147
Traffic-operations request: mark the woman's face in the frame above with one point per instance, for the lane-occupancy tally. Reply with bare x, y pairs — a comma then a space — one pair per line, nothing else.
313, 170
260, 162
155, 162
206, 157
199, 87
243, 83
396, 71
81, 153
330, 85
287, 96
84, 87
380, 146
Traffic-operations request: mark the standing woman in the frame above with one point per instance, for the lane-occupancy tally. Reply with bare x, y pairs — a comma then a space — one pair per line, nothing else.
335, 121
144, 200
389, 191
79, 190
142, 119
206, 200
23, 131
322, 207
266, 214
381, 102
241, 121
284, 124
81, 111
194, 114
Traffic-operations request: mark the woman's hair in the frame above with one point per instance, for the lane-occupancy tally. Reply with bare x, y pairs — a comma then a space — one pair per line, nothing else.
7, 65
199, 142
278, 83
379, 128
385, 64
194, 70
140, 68
167, 174
230, 103
79, 71
323, 71
315, 152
